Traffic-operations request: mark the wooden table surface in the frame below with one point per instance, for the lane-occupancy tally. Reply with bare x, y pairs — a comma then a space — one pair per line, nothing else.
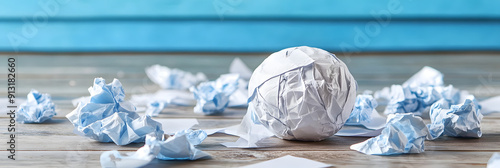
66, 77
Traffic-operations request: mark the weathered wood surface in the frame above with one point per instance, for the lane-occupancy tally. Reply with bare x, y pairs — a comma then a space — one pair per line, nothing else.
53, 144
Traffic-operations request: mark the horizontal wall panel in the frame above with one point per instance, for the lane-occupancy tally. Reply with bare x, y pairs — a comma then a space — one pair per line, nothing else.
228, 9
250, 36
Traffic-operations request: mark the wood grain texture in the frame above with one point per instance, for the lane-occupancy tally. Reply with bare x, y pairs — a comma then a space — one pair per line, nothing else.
348, 159
53, 144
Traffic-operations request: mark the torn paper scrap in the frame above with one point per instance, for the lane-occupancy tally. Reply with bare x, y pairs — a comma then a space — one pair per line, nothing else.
180, 146
171, 126
289, 161
490, 105
239, 67
494, 161
37, 108
427, 76
462, 120
370, 128
358, 131
240, 97
302, 93
213, 97
404, 133
107, 117
173, 78
250, 131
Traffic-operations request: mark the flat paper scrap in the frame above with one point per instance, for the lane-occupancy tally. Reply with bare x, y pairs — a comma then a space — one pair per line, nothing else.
106, 117
494, 161
37, 108
404, 133
289, 161
239, 67
250, 132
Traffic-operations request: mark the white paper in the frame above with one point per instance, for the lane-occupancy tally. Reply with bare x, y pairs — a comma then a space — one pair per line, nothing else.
239, 67
490, 105
358, 131
494, 161
370, 128
289, 161
427, 76
250, 133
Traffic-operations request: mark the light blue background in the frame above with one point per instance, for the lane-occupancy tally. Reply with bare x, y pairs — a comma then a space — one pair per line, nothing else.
347, 26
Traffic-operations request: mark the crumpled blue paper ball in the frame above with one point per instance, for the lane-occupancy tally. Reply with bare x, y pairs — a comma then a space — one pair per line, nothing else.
38, 108
363, 108
462, 120
106, 117
180, 146
404, 133
406, 99
213, 97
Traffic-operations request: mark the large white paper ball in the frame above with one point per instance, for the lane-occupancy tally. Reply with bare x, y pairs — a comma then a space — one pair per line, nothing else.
302, 93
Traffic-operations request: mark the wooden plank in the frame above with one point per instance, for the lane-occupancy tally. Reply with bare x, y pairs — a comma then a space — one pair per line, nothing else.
351, 159
57, 135
94, 9
42, 141
73, 75
250, 36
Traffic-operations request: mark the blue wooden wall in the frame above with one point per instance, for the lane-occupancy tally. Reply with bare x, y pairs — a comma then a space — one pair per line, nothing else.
347, 26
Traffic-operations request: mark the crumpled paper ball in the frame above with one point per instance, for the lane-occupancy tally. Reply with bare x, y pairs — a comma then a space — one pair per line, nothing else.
213, 97
302, 93
107, 117
418, 99
404, 133
169, 78
180, 146
38, 108
462, 120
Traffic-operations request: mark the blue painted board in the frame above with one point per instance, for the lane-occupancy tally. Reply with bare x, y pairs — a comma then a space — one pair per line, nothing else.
249, 26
